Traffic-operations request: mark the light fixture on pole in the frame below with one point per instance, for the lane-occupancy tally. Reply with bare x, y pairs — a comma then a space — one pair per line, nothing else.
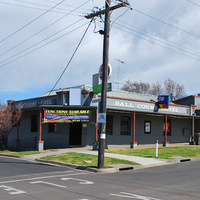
119, 61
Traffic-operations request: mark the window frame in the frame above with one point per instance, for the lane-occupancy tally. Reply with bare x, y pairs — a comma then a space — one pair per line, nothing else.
125, 131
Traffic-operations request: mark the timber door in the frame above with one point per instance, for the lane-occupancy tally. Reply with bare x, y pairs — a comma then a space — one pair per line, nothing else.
75, 134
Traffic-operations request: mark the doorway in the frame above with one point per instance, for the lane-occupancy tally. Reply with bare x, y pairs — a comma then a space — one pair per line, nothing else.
75, 134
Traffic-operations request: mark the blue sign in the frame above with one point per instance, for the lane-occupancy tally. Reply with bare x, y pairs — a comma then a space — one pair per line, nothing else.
163, 101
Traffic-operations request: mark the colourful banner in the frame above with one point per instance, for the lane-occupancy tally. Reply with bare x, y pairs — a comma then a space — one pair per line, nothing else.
66, 116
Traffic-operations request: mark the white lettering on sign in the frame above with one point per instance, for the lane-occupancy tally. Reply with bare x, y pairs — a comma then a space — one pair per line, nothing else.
124, 104
143, 106
12, 190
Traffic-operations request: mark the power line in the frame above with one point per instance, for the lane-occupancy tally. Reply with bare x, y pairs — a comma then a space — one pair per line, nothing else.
43, 29
162, 41
31, 21
198, 59
43, 5
130, 25
193, 3
189, 33
41, 41
42, 46
71, 58
42, 9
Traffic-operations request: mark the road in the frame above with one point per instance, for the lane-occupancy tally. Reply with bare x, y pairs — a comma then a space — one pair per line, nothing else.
23, 180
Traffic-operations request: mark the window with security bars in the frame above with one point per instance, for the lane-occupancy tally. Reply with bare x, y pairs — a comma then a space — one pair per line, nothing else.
125, 125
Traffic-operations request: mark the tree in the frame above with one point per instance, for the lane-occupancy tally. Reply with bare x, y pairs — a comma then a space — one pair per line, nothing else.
136, 87
169, 86
174, 89
9, 117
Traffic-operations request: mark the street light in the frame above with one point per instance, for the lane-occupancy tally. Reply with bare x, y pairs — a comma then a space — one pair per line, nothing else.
119, 61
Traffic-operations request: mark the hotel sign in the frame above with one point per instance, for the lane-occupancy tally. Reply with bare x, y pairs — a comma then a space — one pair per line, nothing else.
142, 106
145, 107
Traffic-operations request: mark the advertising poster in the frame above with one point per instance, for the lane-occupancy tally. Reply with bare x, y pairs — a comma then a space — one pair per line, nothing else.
66, 116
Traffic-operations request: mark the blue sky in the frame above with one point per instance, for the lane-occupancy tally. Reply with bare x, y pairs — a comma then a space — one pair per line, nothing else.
156, 40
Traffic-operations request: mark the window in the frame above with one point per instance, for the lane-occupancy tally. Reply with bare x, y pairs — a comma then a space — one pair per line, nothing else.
109, 124
34, 123
126, 125
52, 128
147, 127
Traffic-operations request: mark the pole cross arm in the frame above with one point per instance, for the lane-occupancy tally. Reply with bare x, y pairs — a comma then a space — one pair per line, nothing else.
125, 2
101, 12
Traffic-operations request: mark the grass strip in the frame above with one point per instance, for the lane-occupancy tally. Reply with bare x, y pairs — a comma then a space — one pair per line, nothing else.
86, 160
163, 152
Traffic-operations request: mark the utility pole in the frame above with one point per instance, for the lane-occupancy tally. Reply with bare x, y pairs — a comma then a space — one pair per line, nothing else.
102, 129
102, 136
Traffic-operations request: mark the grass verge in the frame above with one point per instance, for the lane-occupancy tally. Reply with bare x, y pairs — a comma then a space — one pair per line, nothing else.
163, 152
19, 153
86, 160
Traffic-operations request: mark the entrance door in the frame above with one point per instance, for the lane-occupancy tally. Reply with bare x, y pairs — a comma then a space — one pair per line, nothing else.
75, 134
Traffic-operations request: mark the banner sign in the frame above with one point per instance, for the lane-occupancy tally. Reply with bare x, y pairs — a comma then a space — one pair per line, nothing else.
98, 88
66, 116
163, 101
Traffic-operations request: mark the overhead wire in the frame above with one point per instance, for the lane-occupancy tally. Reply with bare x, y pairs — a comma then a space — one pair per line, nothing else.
31, 22
45, 5
43, 9
140, 29
71, 57
2, 65
193, 3
147, 15
119, 28
161, 40
56, 21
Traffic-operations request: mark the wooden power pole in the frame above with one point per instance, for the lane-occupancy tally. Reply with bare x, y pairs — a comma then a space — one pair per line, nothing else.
102, 129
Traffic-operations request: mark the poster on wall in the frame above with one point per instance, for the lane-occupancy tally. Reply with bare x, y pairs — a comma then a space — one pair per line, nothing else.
147, 127
66, 116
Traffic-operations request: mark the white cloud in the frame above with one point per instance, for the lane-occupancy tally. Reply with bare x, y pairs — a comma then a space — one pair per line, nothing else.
144, 60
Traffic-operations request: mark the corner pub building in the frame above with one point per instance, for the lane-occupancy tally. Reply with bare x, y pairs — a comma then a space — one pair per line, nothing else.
131, 119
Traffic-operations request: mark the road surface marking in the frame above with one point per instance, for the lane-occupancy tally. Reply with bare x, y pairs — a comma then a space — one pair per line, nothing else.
133, 196
47, 183
43, 177
81, 181
12, 190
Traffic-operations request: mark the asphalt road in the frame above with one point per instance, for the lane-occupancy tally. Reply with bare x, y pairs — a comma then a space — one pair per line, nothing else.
22, 180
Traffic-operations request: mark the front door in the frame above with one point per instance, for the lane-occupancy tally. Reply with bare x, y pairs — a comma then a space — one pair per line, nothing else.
75, 134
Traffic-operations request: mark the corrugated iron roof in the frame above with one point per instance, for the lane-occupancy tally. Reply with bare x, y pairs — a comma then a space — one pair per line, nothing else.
114, 93
132, 95
52, 93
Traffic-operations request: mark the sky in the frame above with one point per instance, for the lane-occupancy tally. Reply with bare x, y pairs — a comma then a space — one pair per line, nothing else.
154, 39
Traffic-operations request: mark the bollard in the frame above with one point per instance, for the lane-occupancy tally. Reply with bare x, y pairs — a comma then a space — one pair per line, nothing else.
156, 149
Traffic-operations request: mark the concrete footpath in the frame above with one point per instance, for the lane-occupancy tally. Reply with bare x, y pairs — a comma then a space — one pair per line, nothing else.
137, 159
142, 161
